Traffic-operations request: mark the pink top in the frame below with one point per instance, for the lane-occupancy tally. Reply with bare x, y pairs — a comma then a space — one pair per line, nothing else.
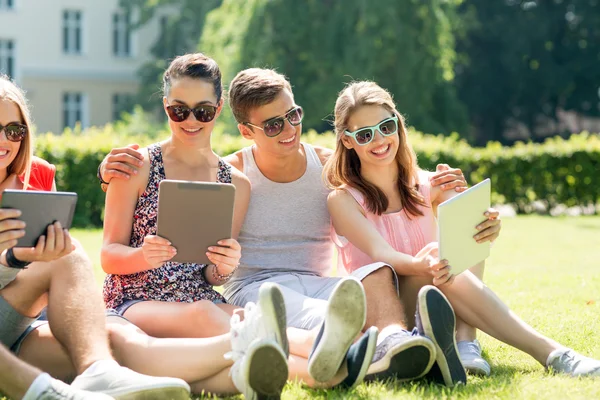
406, 233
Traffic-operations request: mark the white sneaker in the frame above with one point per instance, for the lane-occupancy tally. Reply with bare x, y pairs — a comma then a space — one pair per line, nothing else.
124, 384
261, 371
570, 362
265, 320
61, 391
470, 356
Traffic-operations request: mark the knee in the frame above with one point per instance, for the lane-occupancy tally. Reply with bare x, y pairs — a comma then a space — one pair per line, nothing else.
382, 277
203, 311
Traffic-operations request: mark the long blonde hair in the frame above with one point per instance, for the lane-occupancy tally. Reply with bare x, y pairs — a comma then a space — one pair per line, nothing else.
343, 167
21, 165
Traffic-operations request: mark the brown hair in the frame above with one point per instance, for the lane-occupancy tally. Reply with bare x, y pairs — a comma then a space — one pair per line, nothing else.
21, 165
194, 65
254, 87
343, 167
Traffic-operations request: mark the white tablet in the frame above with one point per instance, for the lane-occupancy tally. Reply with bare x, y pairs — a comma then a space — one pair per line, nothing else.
457, 219
193, 216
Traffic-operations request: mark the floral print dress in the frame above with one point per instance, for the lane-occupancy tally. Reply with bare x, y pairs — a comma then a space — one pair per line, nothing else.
177, 282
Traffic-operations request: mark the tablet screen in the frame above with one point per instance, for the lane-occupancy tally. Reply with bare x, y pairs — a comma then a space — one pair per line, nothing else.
457, 219
40, 209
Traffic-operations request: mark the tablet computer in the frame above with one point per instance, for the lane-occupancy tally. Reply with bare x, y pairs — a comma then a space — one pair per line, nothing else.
194, 216
40, 209
457, 219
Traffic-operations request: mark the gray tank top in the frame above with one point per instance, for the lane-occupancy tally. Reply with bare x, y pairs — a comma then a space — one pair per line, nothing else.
287, 225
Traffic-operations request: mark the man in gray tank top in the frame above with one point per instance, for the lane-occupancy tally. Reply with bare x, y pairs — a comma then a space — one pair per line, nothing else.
286, 238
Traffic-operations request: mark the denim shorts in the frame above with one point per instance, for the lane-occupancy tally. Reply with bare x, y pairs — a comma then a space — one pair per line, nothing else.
124, 306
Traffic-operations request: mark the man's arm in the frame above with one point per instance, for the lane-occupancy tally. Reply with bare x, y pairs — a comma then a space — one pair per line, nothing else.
448, 178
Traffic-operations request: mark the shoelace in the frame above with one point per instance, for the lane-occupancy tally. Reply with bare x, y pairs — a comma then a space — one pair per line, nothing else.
569, 359
243, 332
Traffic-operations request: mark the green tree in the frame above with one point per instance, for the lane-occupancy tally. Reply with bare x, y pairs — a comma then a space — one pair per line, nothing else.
406, 46
522, 60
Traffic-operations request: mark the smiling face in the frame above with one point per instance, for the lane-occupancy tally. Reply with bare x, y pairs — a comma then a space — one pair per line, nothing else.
288, 141
191, 92
9, 113
382, 149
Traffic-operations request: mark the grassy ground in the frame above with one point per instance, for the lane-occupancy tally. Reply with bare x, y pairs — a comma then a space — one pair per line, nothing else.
548, 271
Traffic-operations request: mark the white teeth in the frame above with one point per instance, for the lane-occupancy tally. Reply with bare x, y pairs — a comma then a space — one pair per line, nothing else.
191, 130
383, 150
3, 152
288, 140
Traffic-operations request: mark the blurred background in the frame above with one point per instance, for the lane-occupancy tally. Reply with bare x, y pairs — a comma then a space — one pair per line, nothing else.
478, 77
501, 70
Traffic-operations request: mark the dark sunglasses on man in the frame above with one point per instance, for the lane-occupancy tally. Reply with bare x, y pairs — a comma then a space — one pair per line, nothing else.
14, 132
203, 113
275, 125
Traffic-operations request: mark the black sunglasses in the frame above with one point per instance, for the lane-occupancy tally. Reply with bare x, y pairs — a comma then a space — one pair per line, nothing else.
275, 125
15, 132
203, 113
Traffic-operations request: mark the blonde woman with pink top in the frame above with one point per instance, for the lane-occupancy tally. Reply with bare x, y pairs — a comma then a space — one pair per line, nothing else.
383, 209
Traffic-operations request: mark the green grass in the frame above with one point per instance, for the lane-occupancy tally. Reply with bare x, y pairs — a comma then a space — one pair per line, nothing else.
548, 271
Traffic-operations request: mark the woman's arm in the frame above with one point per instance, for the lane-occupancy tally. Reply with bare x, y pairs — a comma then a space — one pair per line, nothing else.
350, 222
117, 257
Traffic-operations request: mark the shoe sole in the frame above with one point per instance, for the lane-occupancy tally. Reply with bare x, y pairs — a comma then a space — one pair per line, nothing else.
267, 372
409, 360
345, 317
272, 305
369, 353
170, 393
439, 324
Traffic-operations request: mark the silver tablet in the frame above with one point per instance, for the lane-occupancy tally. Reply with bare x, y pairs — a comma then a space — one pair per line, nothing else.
194, 216
40, 209
457, 219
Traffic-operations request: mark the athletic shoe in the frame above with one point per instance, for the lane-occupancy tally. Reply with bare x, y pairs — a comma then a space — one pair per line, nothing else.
435, 319
359, 358
272, 306
124, 384
470, 356
345, 317
402, 356
261, 372
570, 362
61, 391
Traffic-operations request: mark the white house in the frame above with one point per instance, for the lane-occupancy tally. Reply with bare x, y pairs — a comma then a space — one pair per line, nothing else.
77, 59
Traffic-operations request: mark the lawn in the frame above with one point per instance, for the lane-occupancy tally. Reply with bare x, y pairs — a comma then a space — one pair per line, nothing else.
548, 271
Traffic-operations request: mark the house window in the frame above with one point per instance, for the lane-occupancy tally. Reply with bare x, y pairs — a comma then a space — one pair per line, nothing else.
72, 31
6, 4
121, 102
73, 109
7, 57
121, 35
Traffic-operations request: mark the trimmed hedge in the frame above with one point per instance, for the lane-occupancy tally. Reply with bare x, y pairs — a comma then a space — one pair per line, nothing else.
558, 171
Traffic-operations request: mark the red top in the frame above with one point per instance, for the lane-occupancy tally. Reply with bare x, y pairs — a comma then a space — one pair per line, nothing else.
42, 175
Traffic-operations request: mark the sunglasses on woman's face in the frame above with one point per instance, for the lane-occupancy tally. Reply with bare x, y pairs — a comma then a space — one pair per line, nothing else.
15, 132
365, 135
274, 126
203, 113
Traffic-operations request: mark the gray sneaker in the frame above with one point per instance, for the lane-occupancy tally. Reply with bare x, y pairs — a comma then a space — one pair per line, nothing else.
61, 391
570, 362
344, 319
470, 356
402, 356
125, 384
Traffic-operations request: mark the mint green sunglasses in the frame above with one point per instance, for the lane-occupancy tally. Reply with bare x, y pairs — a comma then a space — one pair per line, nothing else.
365, 135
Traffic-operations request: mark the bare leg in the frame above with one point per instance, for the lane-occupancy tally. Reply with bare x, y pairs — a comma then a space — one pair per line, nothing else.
180, 320
15, 375
301, 341
482, 308
383, 305
75, 309
465, 331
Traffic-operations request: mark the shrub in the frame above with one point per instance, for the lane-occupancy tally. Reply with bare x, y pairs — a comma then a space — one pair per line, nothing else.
558, 171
